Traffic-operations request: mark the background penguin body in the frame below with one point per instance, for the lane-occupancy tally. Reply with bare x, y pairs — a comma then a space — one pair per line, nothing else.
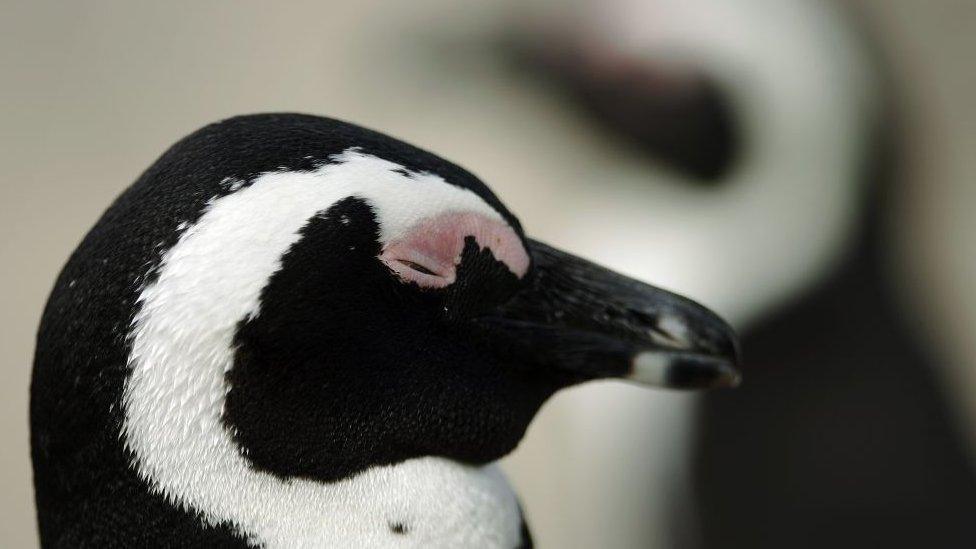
295, 332
843, 438
845, 435
760, 185
848, 435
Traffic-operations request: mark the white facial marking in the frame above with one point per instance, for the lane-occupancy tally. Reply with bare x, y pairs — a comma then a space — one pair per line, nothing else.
429, 253
182, 339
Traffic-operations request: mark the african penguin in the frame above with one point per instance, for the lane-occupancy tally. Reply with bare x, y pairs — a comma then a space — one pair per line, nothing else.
291, 331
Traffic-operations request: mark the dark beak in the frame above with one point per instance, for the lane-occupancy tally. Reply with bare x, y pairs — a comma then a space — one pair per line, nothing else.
587, 322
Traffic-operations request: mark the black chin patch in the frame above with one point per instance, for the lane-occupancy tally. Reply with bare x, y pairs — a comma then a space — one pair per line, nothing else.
347, 366
482, 282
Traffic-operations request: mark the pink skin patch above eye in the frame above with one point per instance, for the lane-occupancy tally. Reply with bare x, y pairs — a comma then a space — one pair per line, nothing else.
429, 252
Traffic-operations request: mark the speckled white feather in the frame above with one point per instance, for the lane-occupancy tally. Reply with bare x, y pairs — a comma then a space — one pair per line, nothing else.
182, 340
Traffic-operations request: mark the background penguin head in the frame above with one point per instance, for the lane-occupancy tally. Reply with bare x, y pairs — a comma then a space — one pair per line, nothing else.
708, 137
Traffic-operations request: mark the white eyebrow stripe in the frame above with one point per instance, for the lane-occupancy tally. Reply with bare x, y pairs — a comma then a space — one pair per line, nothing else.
401, 201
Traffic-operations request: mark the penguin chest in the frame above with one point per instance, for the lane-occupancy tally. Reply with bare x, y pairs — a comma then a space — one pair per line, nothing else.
424, 502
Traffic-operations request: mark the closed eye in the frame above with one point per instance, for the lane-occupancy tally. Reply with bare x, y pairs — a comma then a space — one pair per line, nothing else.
418, 267
420, 274
427, 254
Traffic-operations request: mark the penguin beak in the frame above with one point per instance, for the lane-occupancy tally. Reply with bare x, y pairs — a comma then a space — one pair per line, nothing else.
587, 322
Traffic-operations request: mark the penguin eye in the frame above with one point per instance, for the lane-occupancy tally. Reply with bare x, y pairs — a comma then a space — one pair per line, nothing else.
418, 267
418, 273
427, 254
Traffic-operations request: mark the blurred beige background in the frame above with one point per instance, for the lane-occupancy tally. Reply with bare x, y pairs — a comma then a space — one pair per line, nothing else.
92, 92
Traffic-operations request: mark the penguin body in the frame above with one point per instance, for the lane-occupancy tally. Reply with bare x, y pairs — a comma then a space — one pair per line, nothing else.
850, 431
849, 434
295, 332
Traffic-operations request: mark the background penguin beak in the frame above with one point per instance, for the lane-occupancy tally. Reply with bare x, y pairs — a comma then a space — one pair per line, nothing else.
588, 322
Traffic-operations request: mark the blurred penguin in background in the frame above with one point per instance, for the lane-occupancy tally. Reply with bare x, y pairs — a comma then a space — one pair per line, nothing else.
843, 436
740, 161
848, 433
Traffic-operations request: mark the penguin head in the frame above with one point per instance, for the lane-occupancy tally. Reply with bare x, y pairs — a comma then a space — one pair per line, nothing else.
719, 138
320, 298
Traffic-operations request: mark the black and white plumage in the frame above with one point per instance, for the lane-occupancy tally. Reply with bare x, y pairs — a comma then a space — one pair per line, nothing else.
295, 332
